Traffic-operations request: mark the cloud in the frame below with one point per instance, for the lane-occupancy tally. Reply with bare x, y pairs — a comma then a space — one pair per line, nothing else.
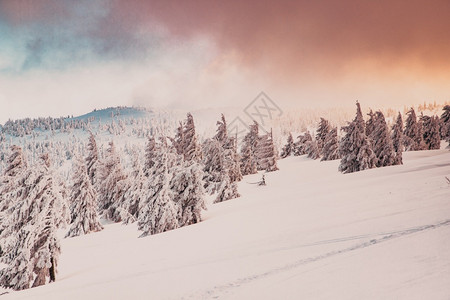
60, 34
184, 76
294, 39
310, 37
210, 53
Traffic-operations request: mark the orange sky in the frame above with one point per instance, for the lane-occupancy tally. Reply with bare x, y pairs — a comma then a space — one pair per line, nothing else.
327, 37
303, 52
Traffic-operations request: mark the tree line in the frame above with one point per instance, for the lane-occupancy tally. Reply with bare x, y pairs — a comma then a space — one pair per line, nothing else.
371, 143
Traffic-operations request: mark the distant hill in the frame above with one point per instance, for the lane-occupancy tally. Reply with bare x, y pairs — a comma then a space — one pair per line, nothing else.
121, 112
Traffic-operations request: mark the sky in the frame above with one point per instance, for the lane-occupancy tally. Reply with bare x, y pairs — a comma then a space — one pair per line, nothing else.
61, 57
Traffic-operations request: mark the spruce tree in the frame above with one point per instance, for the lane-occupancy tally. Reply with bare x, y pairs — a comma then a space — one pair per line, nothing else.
355, 148
83, 202
445, 117
130, 204
330, 149
220, 159
322, 132
312, 149
382, 143
421, 129
248, 150
302, 143
413, 138
18, 274
445, 120
266, 153
12, 190
221, 132
92, 160
32, 243
15, 167
111, 186
187, 186
370, 124
213, 161
431, 134
149, 155
232, 159
397, 139
16, 162
178, 142
288, 149
191, 149
159, 212
227, 190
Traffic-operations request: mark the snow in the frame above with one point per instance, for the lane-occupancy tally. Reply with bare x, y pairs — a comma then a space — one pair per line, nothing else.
110, 113
312, 232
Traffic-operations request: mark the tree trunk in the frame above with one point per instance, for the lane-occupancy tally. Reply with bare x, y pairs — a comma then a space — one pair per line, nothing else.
52, 270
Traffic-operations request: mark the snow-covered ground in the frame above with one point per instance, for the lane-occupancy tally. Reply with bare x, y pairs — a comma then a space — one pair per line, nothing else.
311, 233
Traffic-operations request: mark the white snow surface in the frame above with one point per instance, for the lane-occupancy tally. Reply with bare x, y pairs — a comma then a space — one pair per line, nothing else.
311, 233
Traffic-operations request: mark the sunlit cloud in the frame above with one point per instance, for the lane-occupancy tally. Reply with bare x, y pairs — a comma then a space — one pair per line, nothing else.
191, 54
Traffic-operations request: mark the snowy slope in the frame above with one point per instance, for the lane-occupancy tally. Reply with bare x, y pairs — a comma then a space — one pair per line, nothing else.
311, 233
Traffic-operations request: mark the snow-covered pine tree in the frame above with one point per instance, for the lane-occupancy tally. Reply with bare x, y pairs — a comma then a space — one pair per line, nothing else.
431, 134
221, 132
187, 187
322, 132
11, 190
260, 152
178, 142
83, 202
159, 212
288, 149
266, 153
64, 218
397, 139
191, 149
273, 154
443, 130
248, 150
301, 144
16, 162
227, 190
213, 161
130, 204
149, 155
49, 249
413, 138
445, 120
228, 170
15, 167
420, 126
111, 186
214, 157
92, 160
370, 124
47, 191
18, 274
312, 149
355, 147
232, 159
32, 244
330, 149
382, 143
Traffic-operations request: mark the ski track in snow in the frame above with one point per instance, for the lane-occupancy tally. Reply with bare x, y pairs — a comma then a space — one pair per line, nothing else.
226, 289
